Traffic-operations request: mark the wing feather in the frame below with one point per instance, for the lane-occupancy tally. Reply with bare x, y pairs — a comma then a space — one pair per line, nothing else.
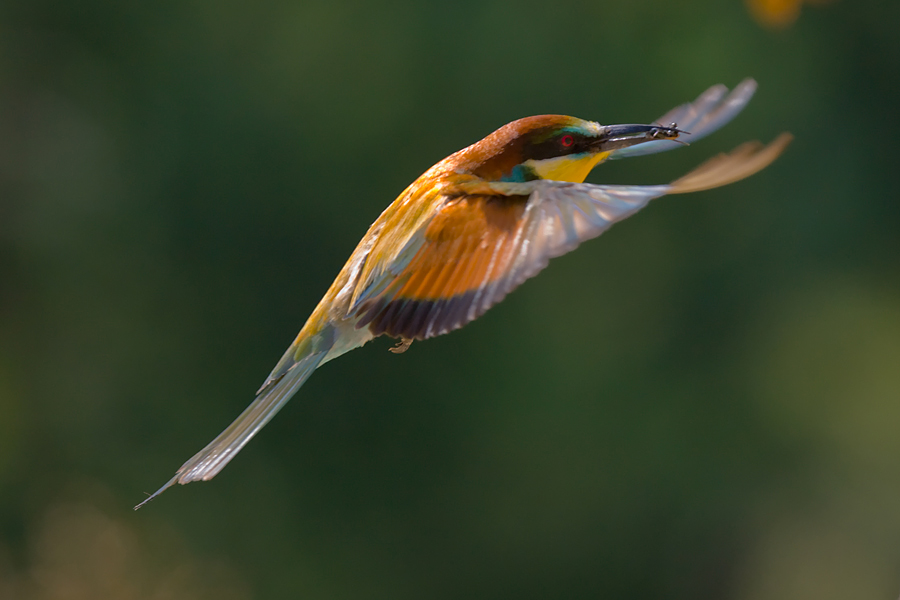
478, 248
711, 110
447, 285
743, 161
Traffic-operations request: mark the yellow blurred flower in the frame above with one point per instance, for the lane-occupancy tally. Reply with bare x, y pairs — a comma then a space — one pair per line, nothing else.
79, 552
778, 13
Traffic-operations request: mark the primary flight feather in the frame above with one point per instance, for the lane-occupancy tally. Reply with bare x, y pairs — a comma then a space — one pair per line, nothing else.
475, 226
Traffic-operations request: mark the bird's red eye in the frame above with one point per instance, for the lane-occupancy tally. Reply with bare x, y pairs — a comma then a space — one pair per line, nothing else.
566, 141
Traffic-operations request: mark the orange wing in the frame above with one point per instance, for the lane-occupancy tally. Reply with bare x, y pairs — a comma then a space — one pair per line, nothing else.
477, 248
469, 245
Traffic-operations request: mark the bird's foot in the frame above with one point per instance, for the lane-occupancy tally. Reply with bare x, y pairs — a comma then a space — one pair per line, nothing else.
402, 346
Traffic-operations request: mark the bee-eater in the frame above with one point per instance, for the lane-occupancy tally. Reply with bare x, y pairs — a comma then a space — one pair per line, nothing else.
475, 226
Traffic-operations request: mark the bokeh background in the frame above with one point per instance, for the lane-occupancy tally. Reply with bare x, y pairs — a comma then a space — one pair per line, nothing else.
704, 403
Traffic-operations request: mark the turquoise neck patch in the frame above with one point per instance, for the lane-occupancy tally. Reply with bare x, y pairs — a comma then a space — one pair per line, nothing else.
521, 174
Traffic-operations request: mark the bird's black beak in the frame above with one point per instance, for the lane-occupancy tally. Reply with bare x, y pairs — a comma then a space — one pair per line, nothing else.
614, 137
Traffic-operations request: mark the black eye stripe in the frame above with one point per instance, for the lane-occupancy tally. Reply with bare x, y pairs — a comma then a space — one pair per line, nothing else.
554, 146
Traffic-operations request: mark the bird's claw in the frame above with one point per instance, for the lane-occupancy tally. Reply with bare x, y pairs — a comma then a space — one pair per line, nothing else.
402, 346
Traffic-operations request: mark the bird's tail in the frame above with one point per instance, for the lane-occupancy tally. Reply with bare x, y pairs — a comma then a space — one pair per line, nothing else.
297, 364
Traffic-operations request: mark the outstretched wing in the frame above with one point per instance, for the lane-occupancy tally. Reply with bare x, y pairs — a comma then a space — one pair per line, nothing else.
478, 248
711, 110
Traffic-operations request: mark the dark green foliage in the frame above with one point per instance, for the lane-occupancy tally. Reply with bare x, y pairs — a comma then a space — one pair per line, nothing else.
701, 404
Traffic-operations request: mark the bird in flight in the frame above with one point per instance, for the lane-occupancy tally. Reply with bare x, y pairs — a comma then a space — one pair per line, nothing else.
475, 226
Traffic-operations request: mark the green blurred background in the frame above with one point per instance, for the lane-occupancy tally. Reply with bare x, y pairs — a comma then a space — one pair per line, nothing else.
703, 403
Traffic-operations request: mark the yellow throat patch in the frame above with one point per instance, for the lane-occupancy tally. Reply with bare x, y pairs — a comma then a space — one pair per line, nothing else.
566, 168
